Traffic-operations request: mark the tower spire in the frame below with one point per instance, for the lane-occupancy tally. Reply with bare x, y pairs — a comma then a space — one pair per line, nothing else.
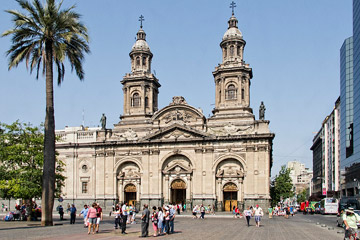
233, 5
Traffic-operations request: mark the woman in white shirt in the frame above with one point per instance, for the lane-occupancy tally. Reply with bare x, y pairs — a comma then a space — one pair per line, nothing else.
160, 220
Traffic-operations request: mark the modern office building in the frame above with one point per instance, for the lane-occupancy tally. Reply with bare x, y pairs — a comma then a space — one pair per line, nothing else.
326, 155
350, 97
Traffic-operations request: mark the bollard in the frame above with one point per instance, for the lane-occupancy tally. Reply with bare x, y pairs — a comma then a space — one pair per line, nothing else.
323, 225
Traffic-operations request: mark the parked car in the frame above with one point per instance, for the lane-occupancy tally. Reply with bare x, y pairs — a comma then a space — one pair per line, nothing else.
339, 219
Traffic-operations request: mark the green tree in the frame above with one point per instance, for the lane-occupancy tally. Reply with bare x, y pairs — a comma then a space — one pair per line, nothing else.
301, 197
21, 162
44, 36
281, 187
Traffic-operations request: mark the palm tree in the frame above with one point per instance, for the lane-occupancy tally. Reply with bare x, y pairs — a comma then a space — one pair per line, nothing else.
44, 36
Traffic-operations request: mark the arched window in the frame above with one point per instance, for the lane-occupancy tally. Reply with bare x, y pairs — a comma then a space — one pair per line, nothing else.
138, 61
144, 61
242, 94
136, 100
231, 50
225, 52
231, 92
238, 50
146, 102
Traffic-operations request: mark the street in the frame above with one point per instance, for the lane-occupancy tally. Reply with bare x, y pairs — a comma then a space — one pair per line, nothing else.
213, 227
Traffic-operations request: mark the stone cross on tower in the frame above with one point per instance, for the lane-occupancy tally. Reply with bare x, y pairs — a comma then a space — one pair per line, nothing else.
141, 19
232, 5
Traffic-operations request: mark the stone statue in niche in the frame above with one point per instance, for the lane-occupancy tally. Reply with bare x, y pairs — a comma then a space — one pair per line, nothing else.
103, 122
262, 111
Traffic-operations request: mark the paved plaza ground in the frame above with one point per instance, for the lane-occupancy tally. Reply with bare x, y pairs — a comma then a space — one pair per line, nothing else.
214, 227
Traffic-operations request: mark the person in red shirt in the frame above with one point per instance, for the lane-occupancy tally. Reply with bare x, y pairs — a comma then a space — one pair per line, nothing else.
92, 216
99, 217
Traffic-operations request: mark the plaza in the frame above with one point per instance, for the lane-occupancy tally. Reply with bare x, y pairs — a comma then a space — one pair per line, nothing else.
220, 226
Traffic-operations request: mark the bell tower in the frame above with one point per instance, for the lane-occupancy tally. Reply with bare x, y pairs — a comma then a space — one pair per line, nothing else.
232, 76
140, 87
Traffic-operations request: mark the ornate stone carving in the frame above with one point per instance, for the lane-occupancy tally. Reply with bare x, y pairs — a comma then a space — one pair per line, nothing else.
179, 116
177, 165
178, 100
178, 184
177, 134
230, 187
231, 129
129, 170
130, 188
229, 169
129, 135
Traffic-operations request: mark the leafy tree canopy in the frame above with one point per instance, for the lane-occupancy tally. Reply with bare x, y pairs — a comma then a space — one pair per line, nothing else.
21, 161
281, 186
301, 197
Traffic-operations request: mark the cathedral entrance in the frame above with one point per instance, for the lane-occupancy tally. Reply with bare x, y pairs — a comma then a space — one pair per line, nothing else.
178, 191
230, 196
130, 194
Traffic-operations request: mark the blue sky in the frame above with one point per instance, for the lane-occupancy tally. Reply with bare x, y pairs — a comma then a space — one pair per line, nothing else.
292, 46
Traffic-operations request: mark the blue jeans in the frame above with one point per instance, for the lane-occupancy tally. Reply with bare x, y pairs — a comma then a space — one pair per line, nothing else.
171, 226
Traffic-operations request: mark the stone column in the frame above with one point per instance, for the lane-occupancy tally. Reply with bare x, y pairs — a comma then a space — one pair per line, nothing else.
121, 190
128, 101
188, 190
222, 90
137, 190
166, 189
150, 101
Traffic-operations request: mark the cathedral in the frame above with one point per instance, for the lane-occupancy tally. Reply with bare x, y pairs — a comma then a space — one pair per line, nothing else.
174, 154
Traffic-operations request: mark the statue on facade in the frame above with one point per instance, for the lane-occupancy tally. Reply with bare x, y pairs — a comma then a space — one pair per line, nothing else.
262, 111
103, 122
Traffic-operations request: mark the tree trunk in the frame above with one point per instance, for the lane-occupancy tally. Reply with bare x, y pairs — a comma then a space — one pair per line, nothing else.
48, 190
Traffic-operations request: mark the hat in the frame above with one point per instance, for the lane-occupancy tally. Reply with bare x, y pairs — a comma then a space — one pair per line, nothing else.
350, 210
257, 205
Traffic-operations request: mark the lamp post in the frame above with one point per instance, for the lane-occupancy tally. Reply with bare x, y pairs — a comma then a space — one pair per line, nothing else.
356, 187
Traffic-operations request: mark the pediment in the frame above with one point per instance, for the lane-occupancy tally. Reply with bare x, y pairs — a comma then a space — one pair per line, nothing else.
177, 168
176, 132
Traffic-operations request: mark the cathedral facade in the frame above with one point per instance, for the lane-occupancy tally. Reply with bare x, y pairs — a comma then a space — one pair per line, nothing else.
174, 154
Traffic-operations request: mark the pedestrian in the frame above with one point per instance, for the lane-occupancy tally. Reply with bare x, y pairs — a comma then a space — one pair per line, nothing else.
68, 208
258, 213
72, 214
117, 213
237, 213
145, 221
292, 211
160, 220
130, 214
124, 218
61, 212
84, 213
166, 226
247, 214
155, 221
172, 213
91, 217
99, 216
194, 212
202, 212
135, 211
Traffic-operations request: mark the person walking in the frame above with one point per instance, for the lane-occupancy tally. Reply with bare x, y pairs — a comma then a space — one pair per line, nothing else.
155, 220
91, 217
99, 217
194, 212
124, 213
202, 212
61, 212
117, 213
258, 213
172, 213
84, 213
145, 221
160, 220
72, 214
247, 214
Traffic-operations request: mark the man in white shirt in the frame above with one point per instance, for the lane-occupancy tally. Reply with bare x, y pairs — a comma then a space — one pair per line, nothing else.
124, 216
258, 213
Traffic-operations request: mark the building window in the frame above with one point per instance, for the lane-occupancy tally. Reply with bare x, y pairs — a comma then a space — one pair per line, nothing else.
136, 100
225, 52
84, 187
137, 61
144, 61
231, 92
242, 94
231, 51
146, 102
238, 50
